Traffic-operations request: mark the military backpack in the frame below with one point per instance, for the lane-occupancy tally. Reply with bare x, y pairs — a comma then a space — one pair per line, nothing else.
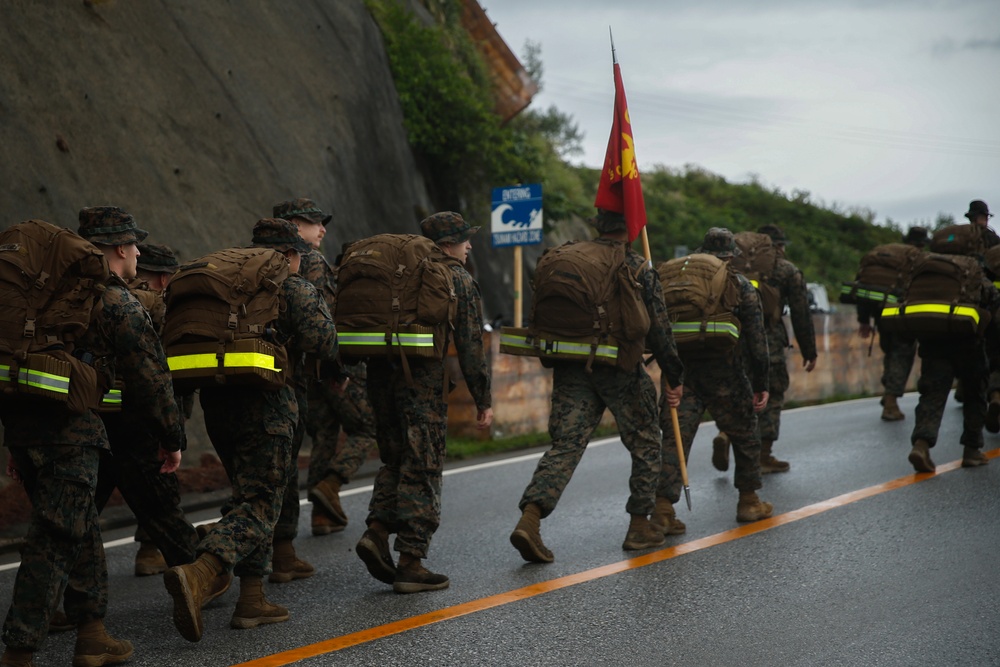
702, 296
756, 260
51, 284
959, 240
221, 316
882, 274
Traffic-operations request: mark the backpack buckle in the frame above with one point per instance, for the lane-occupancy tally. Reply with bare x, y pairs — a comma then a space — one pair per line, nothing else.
395, 304
233, 320
29, 328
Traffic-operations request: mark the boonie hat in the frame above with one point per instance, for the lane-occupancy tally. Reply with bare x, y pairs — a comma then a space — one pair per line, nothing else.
776, 233
447, 227
977, 207
607, 222
301, 208
720, 242
156, 258
109, 225
917, 236
280, 235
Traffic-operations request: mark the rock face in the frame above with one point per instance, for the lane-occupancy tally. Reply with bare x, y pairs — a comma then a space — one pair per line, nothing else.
197, 117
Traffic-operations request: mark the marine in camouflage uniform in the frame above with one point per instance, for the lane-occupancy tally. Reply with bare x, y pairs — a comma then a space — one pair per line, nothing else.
57, 454
252, 431
718, 383
411, 422
325, 405
579, 398
792, 286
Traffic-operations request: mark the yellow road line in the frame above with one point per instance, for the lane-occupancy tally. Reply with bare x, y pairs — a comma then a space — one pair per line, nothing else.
482, 604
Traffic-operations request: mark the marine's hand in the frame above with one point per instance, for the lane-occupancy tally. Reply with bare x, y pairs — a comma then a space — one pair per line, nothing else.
809, 365
484, 418
171, 461
864, 330
673, 395
760, 400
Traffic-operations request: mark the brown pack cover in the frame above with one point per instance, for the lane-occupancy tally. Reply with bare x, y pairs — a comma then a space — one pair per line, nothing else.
959, 240
226, 303
941, 296
882, 274
51, 281
702, 294
392, 284
584, 292
756, 260
991, 258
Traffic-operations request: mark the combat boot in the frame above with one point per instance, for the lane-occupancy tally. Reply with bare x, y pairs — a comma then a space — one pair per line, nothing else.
253, 609
373, 549
890, 409
191, 586
920, 456
413, 577
16, 657
286, 565
527, 536
149, 560
768, 463
993, 413
752, 508
326, 493
58, 622
973, 457
94, 647
720, 452
323, 522
665, 518
642, 534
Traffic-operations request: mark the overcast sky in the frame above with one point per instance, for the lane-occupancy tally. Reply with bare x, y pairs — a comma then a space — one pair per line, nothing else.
891, 106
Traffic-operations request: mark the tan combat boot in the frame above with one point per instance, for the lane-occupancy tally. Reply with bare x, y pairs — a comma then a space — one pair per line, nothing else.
993, 413
253, 609
973, 457
94, 647
16, 657
642, 534
286, 565
890, 409
768, 463
752, 508
527, 536
149, 560
920, 456
191, 586
373, 550
413, 577
323, 522
720, 452
665, 518
327, 494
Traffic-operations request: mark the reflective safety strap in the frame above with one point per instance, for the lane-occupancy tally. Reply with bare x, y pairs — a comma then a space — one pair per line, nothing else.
869, 294
711, 328
113, 397
583, 349
45, 381
512, 340
377, 339
756, 285
933, 308
188, 362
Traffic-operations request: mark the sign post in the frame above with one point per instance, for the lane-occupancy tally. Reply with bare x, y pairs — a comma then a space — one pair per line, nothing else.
516, 220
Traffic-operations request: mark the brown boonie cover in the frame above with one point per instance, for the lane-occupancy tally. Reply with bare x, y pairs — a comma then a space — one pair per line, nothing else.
51, 282
756, 260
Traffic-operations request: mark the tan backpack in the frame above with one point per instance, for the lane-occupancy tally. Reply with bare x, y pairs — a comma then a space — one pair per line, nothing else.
967, 239
222, 311
51, 282
702, 294
756, 261
881, 275
395, 295
588, 306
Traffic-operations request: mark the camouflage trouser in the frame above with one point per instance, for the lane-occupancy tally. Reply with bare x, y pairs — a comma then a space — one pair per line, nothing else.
328, 412
939, 366
411, 422
897, 361
578, 402
287, 526
252, 433
723, 389
769, 419
63, 541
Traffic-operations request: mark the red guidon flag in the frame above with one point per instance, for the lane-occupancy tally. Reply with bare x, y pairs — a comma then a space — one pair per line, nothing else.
619, 189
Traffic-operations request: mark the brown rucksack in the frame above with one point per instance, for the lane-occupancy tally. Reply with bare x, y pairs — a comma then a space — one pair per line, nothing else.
959, 240
220, 322
756, 260
51, 282
941, 296
395, 294
588, 305
882, 274
701, 294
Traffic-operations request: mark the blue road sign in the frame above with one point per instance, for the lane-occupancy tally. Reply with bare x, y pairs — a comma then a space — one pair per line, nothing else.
516, 215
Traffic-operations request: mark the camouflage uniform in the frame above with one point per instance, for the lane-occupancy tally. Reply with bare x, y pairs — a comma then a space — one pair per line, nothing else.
899, 350
579, 399
252, 429
57, 453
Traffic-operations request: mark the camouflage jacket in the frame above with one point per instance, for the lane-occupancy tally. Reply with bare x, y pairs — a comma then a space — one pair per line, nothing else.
152, 301
660, 338
122, 343
789, 281
468, 337
305, 325
753, 335
317, 270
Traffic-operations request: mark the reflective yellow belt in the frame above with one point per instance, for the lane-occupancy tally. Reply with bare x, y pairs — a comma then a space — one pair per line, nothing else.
112, 399
869, 295
359, 339
934, 308
710, 328
546, 347
187, 362
57, 384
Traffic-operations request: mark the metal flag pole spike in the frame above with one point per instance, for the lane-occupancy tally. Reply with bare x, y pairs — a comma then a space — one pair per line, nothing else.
614, 56
680, 456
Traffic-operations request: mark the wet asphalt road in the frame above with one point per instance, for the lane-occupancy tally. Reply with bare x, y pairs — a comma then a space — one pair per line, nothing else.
905, 576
